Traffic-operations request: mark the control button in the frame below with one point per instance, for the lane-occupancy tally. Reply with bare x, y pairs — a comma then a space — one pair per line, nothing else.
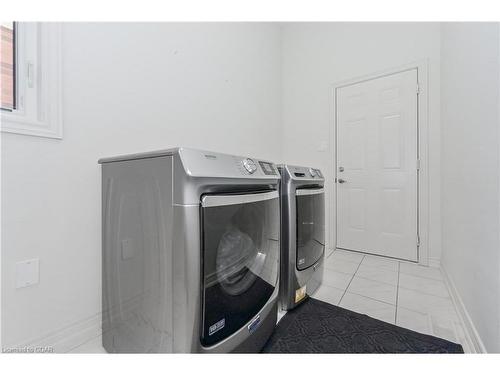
312, 172
249, 165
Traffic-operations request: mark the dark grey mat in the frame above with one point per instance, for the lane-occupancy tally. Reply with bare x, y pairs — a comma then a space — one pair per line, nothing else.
318, 327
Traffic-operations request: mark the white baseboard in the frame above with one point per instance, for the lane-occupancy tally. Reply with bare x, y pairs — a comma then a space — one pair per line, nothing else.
67, 338
472, 335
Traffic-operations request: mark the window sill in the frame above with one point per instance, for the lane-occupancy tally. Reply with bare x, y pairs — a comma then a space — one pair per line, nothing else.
18, 124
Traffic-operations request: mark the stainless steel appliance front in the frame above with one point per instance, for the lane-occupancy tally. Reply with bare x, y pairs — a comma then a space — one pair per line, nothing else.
190, 252
302, 233
240, 251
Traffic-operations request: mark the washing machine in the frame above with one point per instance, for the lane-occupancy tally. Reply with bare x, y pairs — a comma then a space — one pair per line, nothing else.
190, 252
302, 233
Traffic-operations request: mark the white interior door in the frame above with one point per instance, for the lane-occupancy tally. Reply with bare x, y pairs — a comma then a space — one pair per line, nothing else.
377, 166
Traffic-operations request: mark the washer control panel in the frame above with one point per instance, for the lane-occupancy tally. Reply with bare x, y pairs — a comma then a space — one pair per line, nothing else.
304, 173
200, 163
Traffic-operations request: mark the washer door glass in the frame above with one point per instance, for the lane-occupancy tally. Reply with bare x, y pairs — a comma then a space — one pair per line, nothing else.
310, 226
240, 250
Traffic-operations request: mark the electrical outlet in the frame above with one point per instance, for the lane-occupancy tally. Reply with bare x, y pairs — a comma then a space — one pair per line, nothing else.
27, 273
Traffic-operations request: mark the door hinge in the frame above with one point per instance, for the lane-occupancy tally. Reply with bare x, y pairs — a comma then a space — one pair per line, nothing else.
418, 164
418, 240
418, 89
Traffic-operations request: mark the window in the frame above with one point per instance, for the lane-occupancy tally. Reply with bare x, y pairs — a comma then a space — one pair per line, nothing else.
8, 66
31, 78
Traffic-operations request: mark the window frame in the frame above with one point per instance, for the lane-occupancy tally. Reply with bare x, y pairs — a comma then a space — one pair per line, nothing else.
38, 81
14, 71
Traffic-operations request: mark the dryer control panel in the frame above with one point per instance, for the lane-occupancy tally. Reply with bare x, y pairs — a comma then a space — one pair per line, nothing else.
304, 173
211, 164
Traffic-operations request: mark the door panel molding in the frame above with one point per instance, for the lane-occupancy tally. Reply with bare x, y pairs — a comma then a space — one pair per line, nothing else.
422, 150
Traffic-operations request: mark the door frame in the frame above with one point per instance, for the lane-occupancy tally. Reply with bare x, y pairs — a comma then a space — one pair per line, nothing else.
423, 185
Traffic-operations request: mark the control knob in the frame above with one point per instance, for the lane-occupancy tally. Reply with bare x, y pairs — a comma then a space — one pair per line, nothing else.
312, 172
249, 165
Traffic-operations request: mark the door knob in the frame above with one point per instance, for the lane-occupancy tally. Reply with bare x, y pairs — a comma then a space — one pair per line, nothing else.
341, 181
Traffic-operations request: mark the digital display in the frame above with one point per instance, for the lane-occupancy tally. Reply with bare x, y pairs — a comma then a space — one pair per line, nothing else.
268, 168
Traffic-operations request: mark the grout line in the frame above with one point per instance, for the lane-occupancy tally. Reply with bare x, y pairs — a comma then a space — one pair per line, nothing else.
347, 260
374, 299
342, 272
378, 281
379, 256
350, 281
426, 293
397, 294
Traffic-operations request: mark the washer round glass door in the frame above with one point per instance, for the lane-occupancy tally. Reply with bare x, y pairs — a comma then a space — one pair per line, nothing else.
240, 251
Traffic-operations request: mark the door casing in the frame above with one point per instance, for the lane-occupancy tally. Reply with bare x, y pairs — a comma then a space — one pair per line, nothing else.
422, 148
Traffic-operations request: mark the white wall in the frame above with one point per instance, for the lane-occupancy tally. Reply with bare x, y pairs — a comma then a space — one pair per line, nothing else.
127, 88
470, 171
318, 55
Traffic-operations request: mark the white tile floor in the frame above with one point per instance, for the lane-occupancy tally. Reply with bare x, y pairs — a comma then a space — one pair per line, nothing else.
401, 293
